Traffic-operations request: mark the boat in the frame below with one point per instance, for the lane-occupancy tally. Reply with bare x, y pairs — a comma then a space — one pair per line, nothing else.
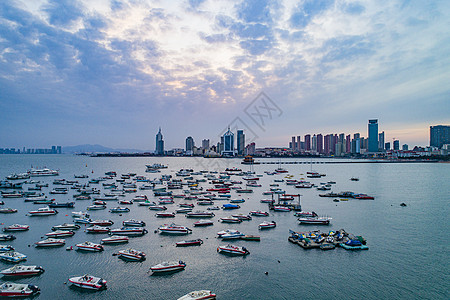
96, 207
147, 203
115, 239
281, 208
305, 214
60, 233
200, 214
232, 249
16, 227
97, 229
230, 206
102, 222
353, 245
126, 202
82, 220
12, 256
187, 205
106, 198
7, 237
18, 176
227, 231
232, 235
99, 202
128, 231
168, 267
22, 270
89, 246
354, 179
8, 210
183, 210
132, 254
88, 282
157, 207
43, 211
314, 220
205, 202
119, 209
61, 204
196, 242
66, 226
165, 215
174, 229
203, 223
51, 242
133, 223
249, 237
11, 290
237, 201
265, 225
43, 172
199, 295
5, 248
258, 213
230, 220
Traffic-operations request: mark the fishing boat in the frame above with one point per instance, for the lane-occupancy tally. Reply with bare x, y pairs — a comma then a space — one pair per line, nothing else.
22, 270
7, 237
8, 210
200, 214
115, 239
61, 204
11, 290
265, 225
258, 213
133, 223
203, 223
97, 229
43, 211
88, 282
129, 231
89, 246
12, 256
199, 295
102, 222
232, 249
168, 267
132, 254
16, 227
230, 220
119, 209
66, 226
314, 220
165, 215
174, 229
60, 233
196, 242
51, 242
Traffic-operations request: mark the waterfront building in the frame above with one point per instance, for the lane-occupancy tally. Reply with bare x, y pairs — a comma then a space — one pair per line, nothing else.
348, 144
439, 135
190, 144
381, 141
326, 144
205, 144
319, 143
250, 149
396, 145
373, 136
307, 142
299, 143
314, 143
293, 144
228, 143
240, 142
159, 143
405, 147
387, 146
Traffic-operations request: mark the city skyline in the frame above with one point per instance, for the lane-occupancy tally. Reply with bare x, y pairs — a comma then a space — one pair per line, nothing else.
112, 72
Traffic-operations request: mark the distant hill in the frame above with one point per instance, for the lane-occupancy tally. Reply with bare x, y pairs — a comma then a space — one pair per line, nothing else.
87, 148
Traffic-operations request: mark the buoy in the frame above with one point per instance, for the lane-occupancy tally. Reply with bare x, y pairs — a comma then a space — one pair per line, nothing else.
267, 273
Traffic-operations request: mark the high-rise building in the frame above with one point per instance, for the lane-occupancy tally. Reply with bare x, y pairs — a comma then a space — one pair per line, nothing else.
387, 146
205, 144
373, 136
348, 144
439, 135
228, 143
240, 142
250, 149
405, 147
320, 143
396, 145
293, 144
307, 142
59, 149
189, 144
381, 141
299, 143
159, 143
314, 143
327, 144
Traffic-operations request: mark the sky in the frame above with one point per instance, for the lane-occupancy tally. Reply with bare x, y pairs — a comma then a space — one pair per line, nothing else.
112, 72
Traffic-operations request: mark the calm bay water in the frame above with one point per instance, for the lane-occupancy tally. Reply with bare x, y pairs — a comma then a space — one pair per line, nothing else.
408, 256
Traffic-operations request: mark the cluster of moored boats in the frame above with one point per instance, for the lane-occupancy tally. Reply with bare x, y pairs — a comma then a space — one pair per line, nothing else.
166, 191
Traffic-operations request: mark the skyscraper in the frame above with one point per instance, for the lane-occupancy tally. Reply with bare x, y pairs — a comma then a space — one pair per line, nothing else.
293, 144
373, 135
381, 141
205, 144
307, 142
396, 145
348, 144
228, 143
159, 143
439, 135
320, 143
189, 144
240, 142
314, 143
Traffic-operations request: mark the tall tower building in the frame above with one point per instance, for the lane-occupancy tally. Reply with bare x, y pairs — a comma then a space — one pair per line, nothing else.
228, 143
190, 144
439, 135
240, 142
307, 142
293, 144
381, 141
320, 143
314, 143
159, 143
205, 144
373, 135
396, 145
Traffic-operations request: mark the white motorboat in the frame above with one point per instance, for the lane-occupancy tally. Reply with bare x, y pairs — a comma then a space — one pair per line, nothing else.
281, 208
230, 220
199, 295
315, 220
233, 250
89, 246
102, 222
5, 248
227, 231
119, 209
168, 267
82, 220
80, 214
21, 270
43, 172
265, 225
16, 227
129, 231
133, 223
60, 233
96, 207
115, 239
200, 214
132, 254
232, 235
11, 290
97, 229
258, 213
203, 223
174, 229
51, 242
43, 211
12, 256
88, 282
157, 207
